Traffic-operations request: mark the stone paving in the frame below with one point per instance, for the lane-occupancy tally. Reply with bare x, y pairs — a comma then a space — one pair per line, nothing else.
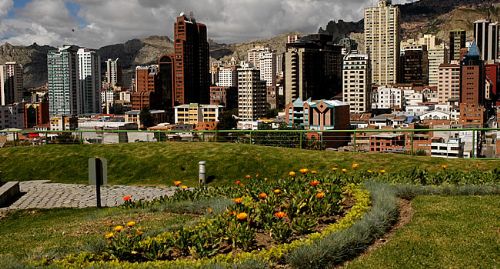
43, 194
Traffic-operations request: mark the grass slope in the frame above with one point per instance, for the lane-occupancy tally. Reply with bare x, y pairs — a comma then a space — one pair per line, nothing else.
34, 234
161, 163
445, 232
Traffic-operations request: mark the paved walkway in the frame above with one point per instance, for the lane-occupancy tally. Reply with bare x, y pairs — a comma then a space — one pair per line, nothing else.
43, 194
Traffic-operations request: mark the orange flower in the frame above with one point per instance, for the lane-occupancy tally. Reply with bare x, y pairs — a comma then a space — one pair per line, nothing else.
177, 183
292, 174
314, 183
237, 182
354, 165
277, 191
238, 200
127, 198
242, 216
280, 214
248, 176
320, 195
262, 195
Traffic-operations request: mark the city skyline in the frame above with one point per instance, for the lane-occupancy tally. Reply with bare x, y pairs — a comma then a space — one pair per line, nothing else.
94, 24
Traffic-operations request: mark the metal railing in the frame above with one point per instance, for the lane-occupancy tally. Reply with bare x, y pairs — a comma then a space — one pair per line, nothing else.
475, 142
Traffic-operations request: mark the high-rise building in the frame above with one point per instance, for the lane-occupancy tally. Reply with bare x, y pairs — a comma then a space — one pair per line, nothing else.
166, 84
267, 67
11, 83
252, 102
228, 76
63, 84
382, 27
357, 85
414, 65
313, 68
192, 62
448, 83
146, 81
493, 76
437, 55
472, 78
113, 73
486, 37
255, 54
89, 75
457, 42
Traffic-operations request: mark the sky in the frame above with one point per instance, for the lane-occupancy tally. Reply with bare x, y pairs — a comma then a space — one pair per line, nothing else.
96, 23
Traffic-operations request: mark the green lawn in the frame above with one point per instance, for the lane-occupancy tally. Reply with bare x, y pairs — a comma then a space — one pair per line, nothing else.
445, 232
161, 163
34, 234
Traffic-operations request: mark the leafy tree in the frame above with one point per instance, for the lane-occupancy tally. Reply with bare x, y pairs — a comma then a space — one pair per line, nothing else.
146, 118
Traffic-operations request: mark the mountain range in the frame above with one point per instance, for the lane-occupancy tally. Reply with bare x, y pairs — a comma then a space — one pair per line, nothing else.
425, 16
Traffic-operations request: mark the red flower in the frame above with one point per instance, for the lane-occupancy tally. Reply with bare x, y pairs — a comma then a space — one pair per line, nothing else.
314, 183
127, 198
237, 182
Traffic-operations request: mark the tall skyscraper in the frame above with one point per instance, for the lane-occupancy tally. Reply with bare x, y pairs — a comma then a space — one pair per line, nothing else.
255, 54
357, 85
472, 78
63, 84
252, 101
267, 66
457, 42
11, 83
448, 87
89, 76
192, 62
313, 68
486, 37
437, 55
414, 65
382, 27
113, 72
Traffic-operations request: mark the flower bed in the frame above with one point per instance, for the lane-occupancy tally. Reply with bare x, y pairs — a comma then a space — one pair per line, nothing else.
265, 220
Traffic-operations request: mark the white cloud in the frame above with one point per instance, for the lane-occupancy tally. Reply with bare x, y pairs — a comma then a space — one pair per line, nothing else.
5, 6
114, 21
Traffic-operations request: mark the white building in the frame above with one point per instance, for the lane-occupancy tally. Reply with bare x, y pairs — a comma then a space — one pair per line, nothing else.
386, 97
90, 81
12, 116
107, 100
252, 101
11, 83
436, 115
453, 149
382, 41
356, 88
267, 66
255, 54
437, 55
63, 83
112, 72
487, 39
228, 77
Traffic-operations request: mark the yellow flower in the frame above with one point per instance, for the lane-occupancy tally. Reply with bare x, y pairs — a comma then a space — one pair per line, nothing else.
444, 166
277, 191
292, 174
109, 235
139, 232
242, 216
177, 183
370, 171
344, 170
334, 168
354, 165
184, 187
314, 172
118, 228
304, 171
382, 171
131, 224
